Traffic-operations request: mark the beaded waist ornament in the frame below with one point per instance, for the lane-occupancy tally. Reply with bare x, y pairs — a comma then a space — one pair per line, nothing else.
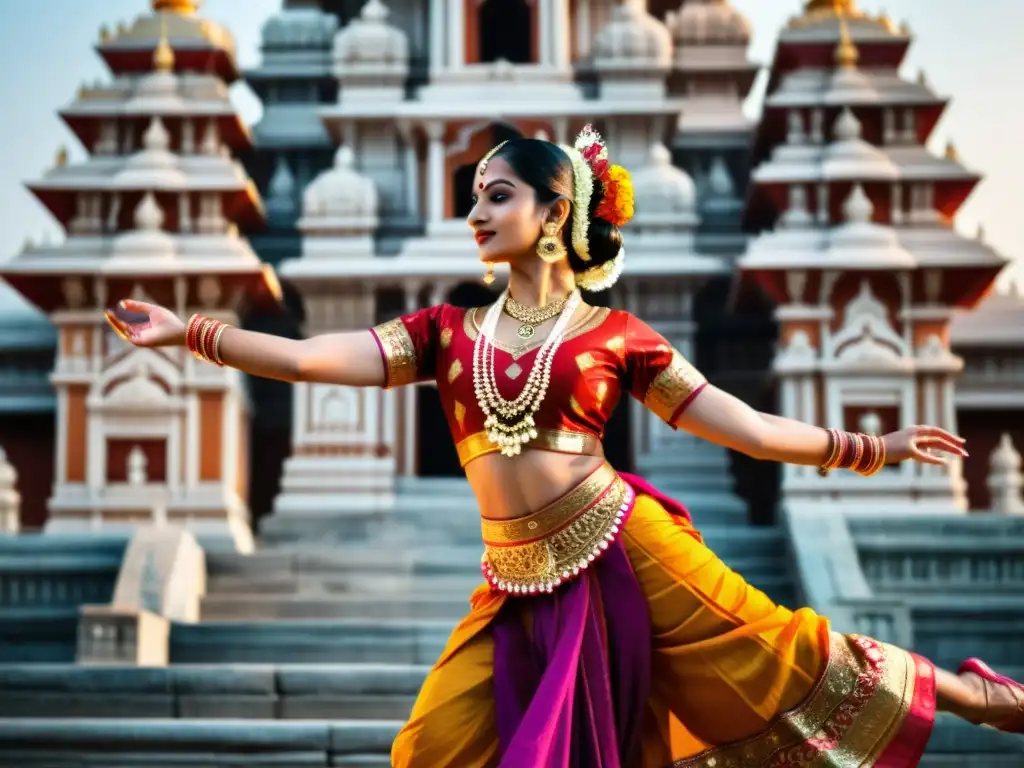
537, 553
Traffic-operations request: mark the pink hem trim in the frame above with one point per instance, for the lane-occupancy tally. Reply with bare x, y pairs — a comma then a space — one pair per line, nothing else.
908, 746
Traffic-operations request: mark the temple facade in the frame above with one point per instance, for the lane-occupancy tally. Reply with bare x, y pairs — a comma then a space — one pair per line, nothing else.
156, 212
375, 115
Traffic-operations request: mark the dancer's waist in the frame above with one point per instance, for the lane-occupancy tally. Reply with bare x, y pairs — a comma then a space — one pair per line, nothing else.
557, 440
538, 552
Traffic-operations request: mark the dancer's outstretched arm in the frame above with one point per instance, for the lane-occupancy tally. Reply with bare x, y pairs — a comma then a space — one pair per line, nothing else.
351, 358
721, 418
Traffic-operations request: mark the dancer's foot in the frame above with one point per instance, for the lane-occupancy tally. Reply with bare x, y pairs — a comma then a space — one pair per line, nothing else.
1000, 699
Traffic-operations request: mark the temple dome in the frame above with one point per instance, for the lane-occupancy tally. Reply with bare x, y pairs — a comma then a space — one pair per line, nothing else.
341, 192
661, 188
148, 239
370, 40
300, 28
851, 157
705, 22
633, 35
154, 166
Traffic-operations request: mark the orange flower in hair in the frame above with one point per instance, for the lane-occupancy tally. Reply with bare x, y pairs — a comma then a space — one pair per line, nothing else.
616, 206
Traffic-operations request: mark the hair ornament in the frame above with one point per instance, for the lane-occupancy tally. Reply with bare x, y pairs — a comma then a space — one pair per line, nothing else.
583, 191
490, 153
603, 276
616, 206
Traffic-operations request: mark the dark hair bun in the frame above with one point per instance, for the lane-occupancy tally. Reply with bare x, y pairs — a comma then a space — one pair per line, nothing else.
604, 239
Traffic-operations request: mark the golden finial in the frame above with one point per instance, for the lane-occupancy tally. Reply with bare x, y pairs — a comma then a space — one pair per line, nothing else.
163, 56
846, 55
61, 159
104, 33
181, 7
886, 21
951, 153
922, 78
905, 28
838, 7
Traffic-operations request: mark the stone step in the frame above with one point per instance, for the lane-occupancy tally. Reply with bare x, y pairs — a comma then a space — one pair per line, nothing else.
95, 743
224, 691
381, 586
254, 607
338, 641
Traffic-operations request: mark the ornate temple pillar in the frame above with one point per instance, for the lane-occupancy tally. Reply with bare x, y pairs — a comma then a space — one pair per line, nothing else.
437, 36
435, 173
457, 34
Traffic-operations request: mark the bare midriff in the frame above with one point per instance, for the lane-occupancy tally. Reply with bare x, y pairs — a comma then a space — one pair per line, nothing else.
507, 488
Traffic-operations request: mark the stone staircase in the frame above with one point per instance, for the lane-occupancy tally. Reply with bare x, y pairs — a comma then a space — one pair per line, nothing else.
312, 653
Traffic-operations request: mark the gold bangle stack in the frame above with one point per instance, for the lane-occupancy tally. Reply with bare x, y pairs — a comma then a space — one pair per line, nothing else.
202, 337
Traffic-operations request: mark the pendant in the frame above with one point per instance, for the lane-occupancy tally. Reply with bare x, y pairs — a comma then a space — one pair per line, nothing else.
526, 331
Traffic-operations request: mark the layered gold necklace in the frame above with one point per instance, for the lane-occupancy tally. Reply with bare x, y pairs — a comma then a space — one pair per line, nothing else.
531, 317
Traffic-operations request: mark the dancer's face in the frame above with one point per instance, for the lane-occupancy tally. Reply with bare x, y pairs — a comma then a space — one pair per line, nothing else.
506, 218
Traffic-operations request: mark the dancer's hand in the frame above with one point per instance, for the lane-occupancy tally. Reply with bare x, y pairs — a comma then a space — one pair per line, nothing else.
929, 445
146, 325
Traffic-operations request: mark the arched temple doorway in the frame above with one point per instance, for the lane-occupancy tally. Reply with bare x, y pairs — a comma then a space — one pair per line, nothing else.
505, 29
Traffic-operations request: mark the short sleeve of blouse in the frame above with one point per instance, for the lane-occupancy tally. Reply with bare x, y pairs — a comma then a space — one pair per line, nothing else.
657, 374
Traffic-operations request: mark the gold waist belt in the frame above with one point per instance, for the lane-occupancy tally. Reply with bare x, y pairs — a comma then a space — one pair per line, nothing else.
538, 552
558, 440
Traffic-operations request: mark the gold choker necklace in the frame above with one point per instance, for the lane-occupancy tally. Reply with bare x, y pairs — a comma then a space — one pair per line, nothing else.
531, 317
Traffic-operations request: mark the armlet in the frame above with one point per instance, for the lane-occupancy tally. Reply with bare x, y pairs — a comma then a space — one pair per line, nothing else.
398, 352
674, 388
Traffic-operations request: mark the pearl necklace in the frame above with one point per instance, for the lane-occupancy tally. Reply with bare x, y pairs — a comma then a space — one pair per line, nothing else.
509, 423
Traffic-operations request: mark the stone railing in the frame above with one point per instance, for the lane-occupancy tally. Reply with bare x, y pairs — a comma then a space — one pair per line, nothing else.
161, 580
44, 579
831, 580
946, 586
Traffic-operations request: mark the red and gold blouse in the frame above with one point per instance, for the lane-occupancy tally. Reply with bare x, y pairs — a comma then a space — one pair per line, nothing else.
602, 355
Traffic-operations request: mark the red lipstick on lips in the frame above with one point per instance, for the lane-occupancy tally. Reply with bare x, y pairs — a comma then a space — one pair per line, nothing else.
483, 236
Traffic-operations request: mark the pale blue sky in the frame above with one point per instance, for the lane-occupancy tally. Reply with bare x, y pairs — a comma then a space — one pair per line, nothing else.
970, 51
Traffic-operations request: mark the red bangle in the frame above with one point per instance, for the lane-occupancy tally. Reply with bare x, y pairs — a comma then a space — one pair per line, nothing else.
202, 337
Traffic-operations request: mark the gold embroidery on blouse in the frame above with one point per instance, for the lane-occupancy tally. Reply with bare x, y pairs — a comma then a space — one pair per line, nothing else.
616, 344
454, 370
861, 701
585, 361
460, 413
575, 405
602, 392
446, 338
672, 387
399, 352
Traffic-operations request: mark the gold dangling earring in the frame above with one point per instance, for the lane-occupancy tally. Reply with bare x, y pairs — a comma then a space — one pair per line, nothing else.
550, 247
488, 277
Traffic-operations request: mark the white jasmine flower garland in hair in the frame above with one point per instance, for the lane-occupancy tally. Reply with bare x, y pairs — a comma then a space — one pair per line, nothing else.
510, 424
603, 276
583, 191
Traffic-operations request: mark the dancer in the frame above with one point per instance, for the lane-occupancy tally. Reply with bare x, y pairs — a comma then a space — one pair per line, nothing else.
606, 634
